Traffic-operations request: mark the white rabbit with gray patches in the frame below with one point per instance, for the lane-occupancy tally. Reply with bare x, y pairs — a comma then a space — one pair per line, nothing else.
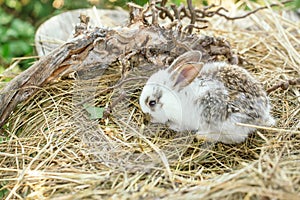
207, 98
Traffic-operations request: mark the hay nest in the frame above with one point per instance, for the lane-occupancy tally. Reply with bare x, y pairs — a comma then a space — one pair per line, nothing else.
52, 148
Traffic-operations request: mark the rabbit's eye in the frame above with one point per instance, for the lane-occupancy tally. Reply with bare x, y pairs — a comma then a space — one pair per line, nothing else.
152, 103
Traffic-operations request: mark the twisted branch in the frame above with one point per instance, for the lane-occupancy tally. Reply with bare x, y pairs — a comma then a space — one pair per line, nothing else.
175, 13
284, 85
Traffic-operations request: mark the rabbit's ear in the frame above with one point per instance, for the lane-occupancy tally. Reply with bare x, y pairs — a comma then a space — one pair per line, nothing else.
190, 56
186, 74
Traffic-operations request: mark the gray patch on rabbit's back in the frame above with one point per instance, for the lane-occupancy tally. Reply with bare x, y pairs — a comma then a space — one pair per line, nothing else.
237, 79
214, 106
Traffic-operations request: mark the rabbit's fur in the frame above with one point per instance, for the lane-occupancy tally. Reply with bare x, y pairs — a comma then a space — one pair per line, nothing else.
208, 98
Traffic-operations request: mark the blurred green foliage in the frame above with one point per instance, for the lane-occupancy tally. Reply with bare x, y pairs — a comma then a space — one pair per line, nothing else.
297, 3
16, 37
18, 19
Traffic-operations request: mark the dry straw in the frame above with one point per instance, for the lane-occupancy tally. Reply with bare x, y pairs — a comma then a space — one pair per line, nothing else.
50, 149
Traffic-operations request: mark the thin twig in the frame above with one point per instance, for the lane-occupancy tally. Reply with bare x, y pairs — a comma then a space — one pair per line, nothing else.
165, 13
193, 16
190, 27
249, 13
108, 110
284, 85
268, 128
154, 12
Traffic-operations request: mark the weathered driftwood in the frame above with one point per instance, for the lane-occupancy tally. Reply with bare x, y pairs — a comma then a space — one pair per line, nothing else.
93, 51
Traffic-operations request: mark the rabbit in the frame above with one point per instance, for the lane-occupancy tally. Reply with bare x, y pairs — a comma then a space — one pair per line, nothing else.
208, 99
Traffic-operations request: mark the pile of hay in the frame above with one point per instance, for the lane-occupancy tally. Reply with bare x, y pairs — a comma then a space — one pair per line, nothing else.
50, 148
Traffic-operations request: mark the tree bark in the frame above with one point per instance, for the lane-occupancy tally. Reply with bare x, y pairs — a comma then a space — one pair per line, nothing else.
92, 52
